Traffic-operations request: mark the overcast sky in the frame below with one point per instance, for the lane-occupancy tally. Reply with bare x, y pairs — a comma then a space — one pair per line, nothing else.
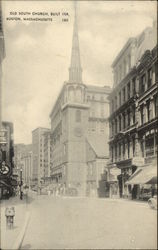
38, 53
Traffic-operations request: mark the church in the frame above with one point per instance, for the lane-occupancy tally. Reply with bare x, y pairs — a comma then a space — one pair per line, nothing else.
79, 130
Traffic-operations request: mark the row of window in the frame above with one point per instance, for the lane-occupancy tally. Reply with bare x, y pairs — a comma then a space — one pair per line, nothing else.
123, 150
128, 118
148, 78
145, 82
93, 97
94, 126
122, 69
123, 121
149, 111
124, 94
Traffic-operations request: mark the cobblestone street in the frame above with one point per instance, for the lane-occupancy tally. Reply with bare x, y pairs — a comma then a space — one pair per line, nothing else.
82, 223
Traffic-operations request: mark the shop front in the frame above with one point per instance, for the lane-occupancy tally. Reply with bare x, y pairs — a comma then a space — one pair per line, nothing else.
145, 181
113, 181
127, 169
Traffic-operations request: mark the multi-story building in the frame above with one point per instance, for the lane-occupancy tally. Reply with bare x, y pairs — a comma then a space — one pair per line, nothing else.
7, 179
47, 157
38, 153
23, 162
79, 128
133, 115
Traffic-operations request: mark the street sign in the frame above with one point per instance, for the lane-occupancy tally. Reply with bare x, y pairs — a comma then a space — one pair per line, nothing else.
115, 171
3, 136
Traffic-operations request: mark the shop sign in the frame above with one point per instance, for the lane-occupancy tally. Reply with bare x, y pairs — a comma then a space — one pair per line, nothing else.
138, 161
3, 136
115, 171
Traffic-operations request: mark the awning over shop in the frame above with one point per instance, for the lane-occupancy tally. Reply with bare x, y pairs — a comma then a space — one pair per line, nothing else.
144, 175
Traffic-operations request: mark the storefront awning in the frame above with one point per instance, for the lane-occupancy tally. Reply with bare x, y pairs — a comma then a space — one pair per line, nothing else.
144, 175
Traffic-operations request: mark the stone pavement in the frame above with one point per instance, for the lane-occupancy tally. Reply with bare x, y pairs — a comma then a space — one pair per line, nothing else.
11, 238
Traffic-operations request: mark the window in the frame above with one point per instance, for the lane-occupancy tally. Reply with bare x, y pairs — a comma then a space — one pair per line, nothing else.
133, 140
128, 90
115, 125
112, 105
93, 126
112, 128
156, 71
148, 111
134, 86
124, 68
120, 150
88, 98
142, 83
123, 149
149, 78
102, 126
128, 147
133, 115
120, 98
112, 154
124, 120
71, 93
120, 69
78, 94
93, 109
120, 123
124, 94
128, 117
156, 106
116, 102
129, 62
115, 152
102, 110
78, 115
64, 149
142, 114
149, 145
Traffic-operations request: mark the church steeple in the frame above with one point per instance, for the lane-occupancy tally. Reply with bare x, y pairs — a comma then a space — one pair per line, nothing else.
1, 28
75, 70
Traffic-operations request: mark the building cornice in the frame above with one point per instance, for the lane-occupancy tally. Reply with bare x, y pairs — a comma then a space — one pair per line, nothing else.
75, 105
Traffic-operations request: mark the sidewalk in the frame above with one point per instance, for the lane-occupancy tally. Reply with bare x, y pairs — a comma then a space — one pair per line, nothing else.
11, 238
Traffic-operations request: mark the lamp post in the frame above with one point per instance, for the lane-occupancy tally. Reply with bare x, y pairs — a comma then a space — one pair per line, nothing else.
21, 193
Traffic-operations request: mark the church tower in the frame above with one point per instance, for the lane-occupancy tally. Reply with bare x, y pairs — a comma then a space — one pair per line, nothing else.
76, 117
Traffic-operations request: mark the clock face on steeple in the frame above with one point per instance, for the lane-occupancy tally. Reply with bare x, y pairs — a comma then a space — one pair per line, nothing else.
78, 131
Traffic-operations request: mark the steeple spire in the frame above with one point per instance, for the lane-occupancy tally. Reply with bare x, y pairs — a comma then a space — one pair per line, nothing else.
75, 70
1, 27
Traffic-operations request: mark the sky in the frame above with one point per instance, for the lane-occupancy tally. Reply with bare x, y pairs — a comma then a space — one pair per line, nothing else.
38, 53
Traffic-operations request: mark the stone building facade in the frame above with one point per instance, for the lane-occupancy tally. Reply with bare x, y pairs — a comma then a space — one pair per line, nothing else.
133, 110
79, 121
23, 161
38, 154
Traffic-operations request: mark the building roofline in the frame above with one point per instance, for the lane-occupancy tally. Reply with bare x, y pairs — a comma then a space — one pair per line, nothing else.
127, 44
39, 128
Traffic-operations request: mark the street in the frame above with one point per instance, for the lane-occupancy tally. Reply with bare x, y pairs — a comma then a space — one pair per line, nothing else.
82, 223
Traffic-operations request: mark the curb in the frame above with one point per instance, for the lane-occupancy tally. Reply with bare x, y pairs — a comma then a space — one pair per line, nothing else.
20, 237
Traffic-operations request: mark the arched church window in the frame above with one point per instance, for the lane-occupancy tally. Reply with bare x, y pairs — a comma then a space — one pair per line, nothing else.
78, 94
71, 94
